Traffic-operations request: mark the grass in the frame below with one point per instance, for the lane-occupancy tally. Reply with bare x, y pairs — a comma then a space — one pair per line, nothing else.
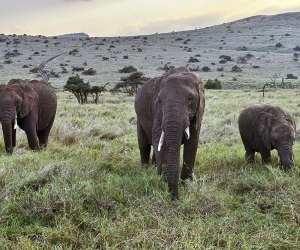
87, 190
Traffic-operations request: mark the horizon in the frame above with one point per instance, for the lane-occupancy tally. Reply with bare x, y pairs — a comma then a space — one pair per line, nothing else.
105, 18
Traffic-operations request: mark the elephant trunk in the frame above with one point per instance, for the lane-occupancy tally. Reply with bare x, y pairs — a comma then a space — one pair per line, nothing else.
7, 134
174, 128
286, 155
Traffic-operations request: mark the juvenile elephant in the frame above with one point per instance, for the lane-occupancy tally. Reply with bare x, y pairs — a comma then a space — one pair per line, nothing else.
169, 112
263, 128
32, 106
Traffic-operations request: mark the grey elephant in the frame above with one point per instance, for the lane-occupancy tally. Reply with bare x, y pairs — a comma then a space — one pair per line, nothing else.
32, 106
264, 127
169, 112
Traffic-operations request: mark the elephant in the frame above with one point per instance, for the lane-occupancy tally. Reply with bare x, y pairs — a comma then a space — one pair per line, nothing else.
32, 106
169, 112
263, 128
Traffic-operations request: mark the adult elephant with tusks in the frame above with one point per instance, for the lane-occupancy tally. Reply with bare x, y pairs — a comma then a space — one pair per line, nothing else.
169, 112
32, 106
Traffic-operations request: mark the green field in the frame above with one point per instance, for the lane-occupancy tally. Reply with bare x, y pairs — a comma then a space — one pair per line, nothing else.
87, 190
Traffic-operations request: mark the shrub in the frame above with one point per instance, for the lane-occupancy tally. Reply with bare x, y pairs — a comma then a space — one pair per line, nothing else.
95, 91
77, 69
213, 84
226, 58
73, 52
127, 69
291, 76
34, 70
243, 48
236, 68
278, 45
193, 60
242, 59
205, 69
89, 72
297, 48
166, 67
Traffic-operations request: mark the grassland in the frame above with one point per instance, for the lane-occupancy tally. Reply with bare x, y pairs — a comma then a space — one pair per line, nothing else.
87, 190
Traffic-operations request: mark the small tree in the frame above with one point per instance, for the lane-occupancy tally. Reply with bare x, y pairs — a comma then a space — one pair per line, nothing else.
78, 87
130, 84
96, 91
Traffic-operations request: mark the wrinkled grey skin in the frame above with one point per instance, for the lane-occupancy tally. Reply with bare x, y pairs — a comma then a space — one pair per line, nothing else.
263, 128
34, 104
170, 103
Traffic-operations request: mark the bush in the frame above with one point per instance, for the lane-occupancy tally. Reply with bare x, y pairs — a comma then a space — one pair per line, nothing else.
77, 69
278, 45
127, 69
291, 76
73, 52
89, 72
193, 60
226, 58
213, 84
166, 67
297, 48
236, 68
205, 69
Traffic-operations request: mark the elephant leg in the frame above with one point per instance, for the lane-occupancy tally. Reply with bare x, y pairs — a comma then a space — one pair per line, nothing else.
144, 145
249, 156
266, 157
189, 155
30, 130
44, 134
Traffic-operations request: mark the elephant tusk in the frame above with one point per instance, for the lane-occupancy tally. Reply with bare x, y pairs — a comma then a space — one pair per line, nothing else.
15, 125
161, 140
187, 133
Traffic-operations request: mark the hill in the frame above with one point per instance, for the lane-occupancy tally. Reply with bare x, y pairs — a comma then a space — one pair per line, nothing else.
75, 35
261, 46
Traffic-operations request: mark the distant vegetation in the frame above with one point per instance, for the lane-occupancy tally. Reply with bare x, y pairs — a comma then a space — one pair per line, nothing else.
81, 90
130, 84
213, 84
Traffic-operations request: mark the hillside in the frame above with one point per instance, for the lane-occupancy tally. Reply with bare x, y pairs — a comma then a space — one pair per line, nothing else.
260, 46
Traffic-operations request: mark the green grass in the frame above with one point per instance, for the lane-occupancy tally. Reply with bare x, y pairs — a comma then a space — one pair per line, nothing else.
87, 190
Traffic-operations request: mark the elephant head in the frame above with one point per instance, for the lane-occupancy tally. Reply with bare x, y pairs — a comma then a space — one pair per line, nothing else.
17, 99
277, 130
180, 107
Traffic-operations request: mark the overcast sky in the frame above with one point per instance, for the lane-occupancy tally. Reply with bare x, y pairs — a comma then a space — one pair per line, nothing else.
128, 17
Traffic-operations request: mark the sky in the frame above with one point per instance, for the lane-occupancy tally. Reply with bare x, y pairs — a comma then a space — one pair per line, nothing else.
128, 17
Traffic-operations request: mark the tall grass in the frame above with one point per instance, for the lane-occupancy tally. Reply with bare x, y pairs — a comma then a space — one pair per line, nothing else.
88, 190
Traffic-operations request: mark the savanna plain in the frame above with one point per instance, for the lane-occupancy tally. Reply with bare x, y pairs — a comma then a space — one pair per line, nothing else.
88, 190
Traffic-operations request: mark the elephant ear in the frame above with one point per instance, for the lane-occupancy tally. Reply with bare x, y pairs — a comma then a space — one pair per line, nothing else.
201, 102
289, 117
263, 126
29, 100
